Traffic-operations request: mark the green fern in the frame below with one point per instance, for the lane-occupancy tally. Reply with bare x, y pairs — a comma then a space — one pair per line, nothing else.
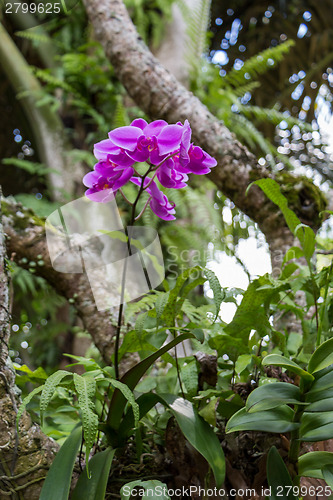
216, 288
258, 64
48, 389
197, 26
25, 402
128, 394
86, 390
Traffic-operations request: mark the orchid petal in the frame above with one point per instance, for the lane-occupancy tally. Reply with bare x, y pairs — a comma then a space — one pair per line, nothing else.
125, 137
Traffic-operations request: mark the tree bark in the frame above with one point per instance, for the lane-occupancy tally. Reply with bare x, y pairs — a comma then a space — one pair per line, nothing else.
24, 456
26, 240
160, 95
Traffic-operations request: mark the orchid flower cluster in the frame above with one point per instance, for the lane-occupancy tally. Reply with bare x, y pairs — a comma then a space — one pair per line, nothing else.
168, 151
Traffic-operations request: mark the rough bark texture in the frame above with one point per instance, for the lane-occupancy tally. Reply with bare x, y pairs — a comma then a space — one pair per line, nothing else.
26, 240
160, 95
24, 456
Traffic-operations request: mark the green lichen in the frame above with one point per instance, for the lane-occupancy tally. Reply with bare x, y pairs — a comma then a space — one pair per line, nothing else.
21, 216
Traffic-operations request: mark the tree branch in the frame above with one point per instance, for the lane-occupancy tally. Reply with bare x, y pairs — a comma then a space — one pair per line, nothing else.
26, 239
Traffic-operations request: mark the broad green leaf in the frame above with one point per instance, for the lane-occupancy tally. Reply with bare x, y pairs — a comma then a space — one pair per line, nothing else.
322, 405
49, 388
242, 362
278, 476
307, 239
327, 472
195, 429
132, 377
315, 396
26, 401
311, 464
58, 480
153, 489
278, 360
86, 390
316, 426
322, 357
293, 253
270, 396
199, 434
276, 420
128, 394
95, 487
216, 288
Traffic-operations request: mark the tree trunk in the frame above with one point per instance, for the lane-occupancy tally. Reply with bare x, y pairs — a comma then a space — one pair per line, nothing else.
25, 455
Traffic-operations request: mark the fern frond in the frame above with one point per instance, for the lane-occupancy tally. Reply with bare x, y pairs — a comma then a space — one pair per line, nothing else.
120, 117
273, 116
48, 389
86, 389
258, 64
128, 394
216, 289
25, 402
197, 26
34, 36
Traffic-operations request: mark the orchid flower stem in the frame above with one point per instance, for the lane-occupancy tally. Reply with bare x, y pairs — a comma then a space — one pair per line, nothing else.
123, 279
143, 210
125, 197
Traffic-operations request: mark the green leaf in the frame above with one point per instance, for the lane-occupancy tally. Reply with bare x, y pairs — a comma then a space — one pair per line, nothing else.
26, 401
270, 396
278, 476
327, 472
276, 420
199, 434
278, 360
152, 489
307, 239
128, 394
242, 362
322, 357
216, 288
311, 464
58, 480
86, 389
95, 487
49, 388
293, 253
132, 377
272, 190
160, 304
316, 426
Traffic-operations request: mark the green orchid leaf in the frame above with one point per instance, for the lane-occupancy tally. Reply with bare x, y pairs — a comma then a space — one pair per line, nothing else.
283, 362
58, 480
94, 488
322, 357
270, 396
316, 426
152, 489
311, 464
278, 477
199, 434
276, 420
132, 377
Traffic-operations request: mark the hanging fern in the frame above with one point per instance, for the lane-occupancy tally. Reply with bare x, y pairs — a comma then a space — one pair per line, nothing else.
48, 389
86, 389
258, 64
